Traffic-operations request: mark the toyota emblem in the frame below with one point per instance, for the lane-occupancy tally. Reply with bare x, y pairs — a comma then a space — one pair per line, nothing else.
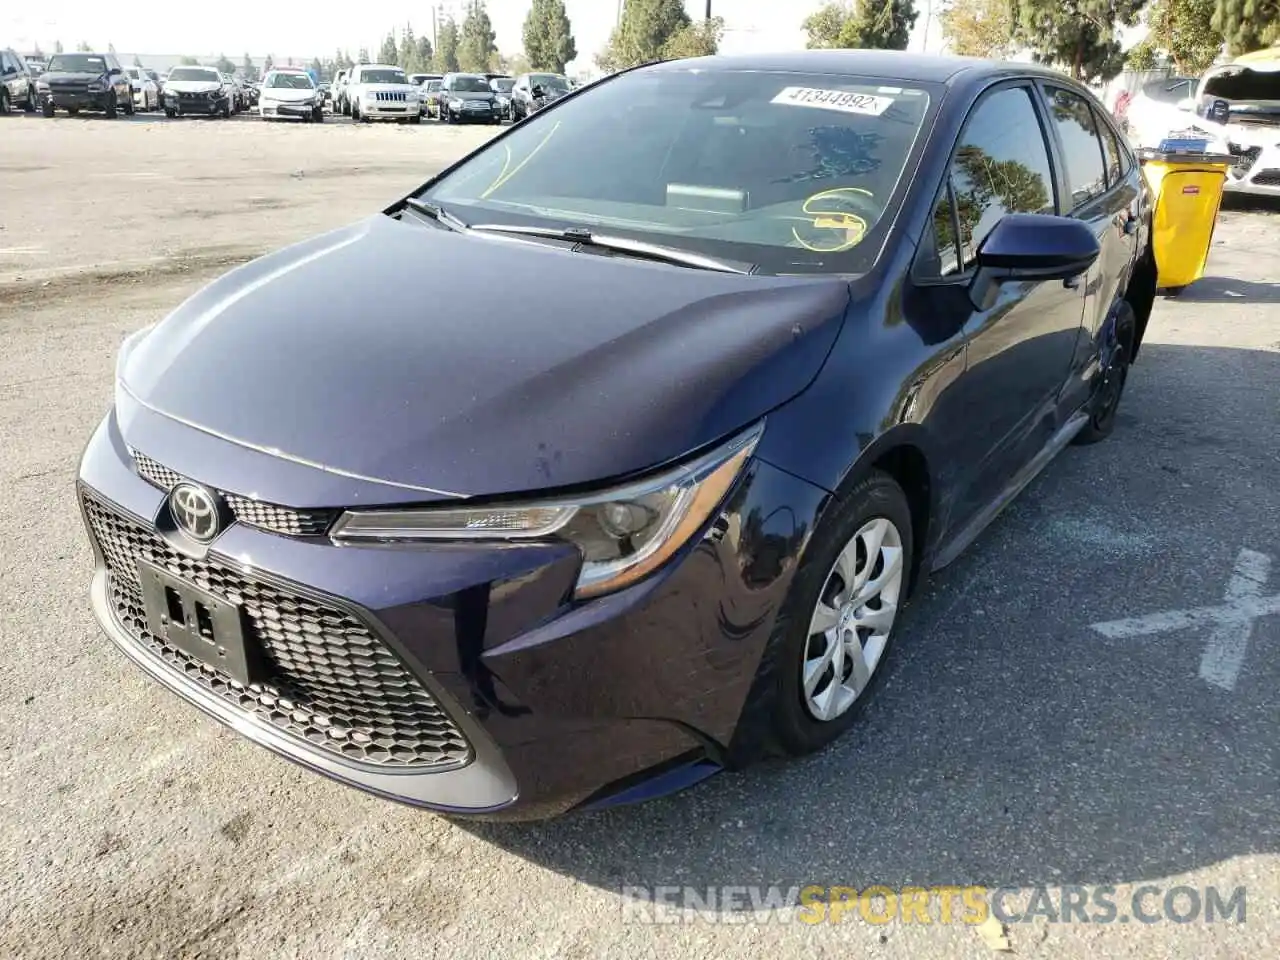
195, 511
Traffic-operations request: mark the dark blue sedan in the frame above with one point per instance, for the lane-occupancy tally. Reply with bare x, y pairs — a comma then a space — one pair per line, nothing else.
731, 354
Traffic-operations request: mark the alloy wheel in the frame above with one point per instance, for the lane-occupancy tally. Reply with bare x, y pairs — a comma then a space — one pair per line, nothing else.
851, 624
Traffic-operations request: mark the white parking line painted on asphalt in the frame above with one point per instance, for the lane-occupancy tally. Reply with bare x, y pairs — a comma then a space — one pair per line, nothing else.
1231, 623
27, 251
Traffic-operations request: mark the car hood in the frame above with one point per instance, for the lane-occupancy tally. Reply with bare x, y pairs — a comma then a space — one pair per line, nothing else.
288, 94
392, 87
523, 367
191, 86
61, 77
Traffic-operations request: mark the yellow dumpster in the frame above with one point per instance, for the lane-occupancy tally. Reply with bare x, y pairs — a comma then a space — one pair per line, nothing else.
1186, 180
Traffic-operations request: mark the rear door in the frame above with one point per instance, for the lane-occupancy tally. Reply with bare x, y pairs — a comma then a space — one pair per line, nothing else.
1099, 187
1020, 350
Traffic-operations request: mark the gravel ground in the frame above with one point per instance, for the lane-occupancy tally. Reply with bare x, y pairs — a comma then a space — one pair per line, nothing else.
1013, 744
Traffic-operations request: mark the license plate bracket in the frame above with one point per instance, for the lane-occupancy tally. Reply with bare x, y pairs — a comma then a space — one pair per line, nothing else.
198, 623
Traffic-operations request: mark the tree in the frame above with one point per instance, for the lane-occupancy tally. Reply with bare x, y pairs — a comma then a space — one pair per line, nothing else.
476, 38
1184, 30
267, 64
701, 39
362, 55
519, 64
389, 52
111, 48
446, 60
57, 46
1247, 25
1142, 57
83, 47
191, 62
318, 68
1077, 35
882, 24
645, 29
548, 36
426, 55
249, 71
223, 65
978, 28
826, 25
137, 61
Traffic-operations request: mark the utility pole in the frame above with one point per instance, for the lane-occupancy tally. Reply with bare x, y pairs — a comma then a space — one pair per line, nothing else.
435, 38
708, 9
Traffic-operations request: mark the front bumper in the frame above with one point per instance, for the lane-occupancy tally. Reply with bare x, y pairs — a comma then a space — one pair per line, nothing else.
195, 105
390, 109
557, 703
1257, 170
476, 114
77, 100
274, 109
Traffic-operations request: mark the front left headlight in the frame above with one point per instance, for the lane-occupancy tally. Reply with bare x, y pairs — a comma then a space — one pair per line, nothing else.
42, 87
455, 104
623, 534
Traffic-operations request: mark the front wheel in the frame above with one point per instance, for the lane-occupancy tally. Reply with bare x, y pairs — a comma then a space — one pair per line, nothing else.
110, 110
171, 113
1109, 383
4, 101
47, 108
317, 115
835, 627
128, 106
29, 105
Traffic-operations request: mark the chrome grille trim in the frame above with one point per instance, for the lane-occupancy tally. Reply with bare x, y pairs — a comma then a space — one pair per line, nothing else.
255, 513
333, 683
389, 96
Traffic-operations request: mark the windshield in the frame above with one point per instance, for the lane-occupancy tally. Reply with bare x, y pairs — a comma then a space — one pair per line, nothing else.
503, 85
289, 81
382, 76
470, 85
549, 81
77, 63
794, 173
1171, 90
433, 85
1244, 84
193, 73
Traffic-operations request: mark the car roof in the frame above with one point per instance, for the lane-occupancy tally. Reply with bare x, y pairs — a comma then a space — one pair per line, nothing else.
379, 66
895, 64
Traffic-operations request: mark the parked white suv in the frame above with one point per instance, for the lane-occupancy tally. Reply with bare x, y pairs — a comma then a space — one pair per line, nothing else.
379, 91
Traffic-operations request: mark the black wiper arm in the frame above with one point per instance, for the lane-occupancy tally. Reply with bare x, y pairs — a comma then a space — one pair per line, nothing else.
437, 213
635, 248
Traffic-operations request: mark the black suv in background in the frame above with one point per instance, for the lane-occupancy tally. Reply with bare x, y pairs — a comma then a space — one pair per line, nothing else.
17, 85
84, 81
468, 96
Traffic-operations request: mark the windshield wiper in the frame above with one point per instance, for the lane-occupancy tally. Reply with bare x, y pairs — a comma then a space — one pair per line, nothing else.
635, 248
437, 213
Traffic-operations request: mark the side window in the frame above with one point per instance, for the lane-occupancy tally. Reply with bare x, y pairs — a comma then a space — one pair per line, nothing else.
941, 257
5, 64
1081, 148
1117, 159
1001, 165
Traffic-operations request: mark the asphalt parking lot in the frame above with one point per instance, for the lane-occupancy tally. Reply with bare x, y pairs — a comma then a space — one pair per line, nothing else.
1053, 715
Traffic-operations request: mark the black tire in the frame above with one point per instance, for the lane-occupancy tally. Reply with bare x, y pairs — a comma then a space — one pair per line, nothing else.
226, 111
317, 115
171, 113
47, 108
111, 111
355, 112
29, 105
1111, 379
73, 111
416, 120
4, 101
775, 720
128, 106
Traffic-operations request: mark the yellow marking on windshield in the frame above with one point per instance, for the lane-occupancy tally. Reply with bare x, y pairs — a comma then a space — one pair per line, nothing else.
504, 177
825, 210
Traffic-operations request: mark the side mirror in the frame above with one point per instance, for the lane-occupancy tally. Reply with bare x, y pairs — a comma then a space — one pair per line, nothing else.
1031, 247
114, 72
536, 91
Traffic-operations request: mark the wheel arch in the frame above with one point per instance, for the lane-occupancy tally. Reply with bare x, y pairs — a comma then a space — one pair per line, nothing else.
903, 454
1140, 293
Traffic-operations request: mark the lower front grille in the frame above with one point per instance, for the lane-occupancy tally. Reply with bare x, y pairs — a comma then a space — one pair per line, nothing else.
1244, 159
1267, 178
389, 96
331, 682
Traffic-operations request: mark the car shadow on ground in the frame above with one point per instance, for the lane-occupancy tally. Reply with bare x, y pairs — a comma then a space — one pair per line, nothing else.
1230, 290
1010, 743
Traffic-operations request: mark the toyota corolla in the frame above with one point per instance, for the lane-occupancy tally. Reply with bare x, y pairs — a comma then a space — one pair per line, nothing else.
733, 353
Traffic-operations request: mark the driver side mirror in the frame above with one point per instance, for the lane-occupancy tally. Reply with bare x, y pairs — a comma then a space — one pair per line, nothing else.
1031, 247
114, 72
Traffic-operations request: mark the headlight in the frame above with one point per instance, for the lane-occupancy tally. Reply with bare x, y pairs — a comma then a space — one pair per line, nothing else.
41, 87
623, 534
455, 104
96, 87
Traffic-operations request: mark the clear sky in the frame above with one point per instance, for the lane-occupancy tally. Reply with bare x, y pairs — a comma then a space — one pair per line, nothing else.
291, 29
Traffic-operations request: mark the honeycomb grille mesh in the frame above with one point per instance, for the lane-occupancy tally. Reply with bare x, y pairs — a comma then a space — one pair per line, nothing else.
331, 681
255, 513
